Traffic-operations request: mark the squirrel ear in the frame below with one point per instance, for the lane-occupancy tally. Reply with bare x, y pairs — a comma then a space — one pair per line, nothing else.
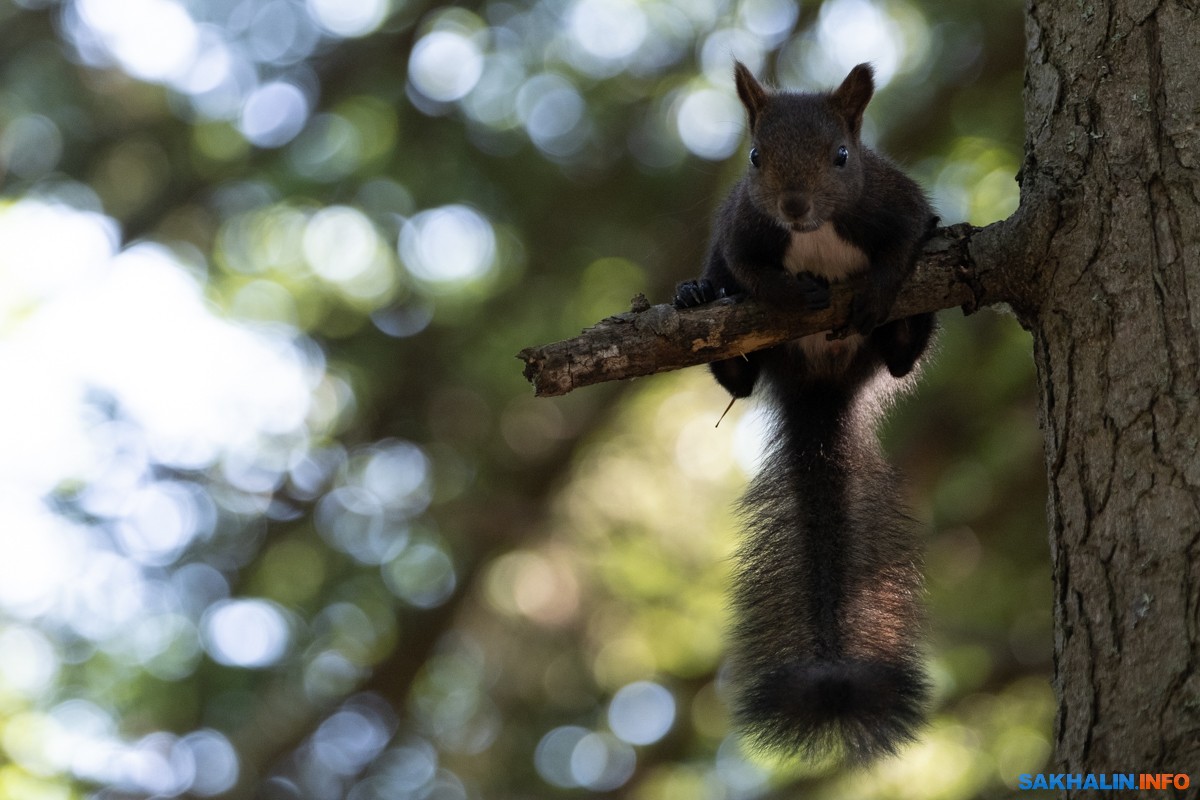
751, 92
851, 98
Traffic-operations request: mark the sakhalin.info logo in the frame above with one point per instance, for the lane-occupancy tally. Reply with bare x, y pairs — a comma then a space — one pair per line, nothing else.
1113, 781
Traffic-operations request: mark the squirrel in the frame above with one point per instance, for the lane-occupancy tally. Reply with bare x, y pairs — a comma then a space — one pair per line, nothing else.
825, 658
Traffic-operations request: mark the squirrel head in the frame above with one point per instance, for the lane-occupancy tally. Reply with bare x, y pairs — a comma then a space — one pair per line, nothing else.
806, 152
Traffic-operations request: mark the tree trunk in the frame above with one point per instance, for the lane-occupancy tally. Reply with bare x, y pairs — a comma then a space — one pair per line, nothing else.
1109, 285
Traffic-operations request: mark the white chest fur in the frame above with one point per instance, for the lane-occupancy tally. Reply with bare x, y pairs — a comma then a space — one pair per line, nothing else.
822, 252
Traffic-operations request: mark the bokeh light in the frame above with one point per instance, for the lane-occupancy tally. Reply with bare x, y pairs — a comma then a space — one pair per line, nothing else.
608, 30
277, 515
273, 114
28, 662
341, 18
155, 40
245, 633
342, 246
854, 31
641, 712
422, 574
445, 65
30, 146
554, 752
161, 520
552, 111
354, 735
448, 245
601, 762
216, 763
571, 756
770, 20
223, 57
710, 122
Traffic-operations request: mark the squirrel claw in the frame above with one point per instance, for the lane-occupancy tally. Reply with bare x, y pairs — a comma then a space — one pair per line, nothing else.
866, 314
814, 290
690, 294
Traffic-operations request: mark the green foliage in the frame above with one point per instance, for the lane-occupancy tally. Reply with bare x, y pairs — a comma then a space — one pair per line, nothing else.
278, 514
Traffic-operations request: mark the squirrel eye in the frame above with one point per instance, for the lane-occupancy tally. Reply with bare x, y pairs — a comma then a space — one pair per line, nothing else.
755, 159
842, 155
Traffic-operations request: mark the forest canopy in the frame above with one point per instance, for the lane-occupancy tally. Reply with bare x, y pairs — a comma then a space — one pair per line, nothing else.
279, 515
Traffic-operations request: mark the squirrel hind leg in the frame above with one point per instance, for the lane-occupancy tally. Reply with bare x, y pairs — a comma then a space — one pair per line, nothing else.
737, 375
901, 342
861, 710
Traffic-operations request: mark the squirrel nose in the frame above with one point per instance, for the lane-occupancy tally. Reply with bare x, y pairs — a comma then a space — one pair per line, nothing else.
795, 206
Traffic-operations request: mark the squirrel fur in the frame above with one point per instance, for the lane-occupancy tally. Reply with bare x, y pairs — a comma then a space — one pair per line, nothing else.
825, 655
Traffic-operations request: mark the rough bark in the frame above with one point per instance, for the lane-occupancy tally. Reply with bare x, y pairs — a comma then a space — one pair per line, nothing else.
1111, 209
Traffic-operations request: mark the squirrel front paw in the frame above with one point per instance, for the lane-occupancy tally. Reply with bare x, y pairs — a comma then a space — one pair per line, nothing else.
814, 290
868, 310
690, 294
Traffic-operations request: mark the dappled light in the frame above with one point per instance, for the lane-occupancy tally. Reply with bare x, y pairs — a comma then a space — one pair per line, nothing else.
245, 633
641, 712
448, 245
570, 757
273, 114
217, 54
279, 517
853, 31
348, 18
708, 121
445, 65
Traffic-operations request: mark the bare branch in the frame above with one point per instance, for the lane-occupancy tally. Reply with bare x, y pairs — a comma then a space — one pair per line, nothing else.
651, 339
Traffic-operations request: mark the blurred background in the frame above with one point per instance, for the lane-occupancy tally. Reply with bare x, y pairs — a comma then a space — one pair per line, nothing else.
279, 516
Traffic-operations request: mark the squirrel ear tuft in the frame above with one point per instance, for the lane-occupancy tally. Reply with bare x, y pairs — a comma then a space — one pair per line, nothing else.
851, 98
751, 92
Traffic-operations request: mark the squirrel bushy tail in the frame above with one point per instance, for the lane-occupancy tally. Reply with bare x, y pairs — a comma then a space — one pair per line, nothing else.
829, 582
828, 588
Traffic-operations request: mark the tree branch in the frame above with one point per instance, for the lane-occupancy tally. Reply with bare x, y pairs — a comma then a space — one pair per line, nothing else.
651, 339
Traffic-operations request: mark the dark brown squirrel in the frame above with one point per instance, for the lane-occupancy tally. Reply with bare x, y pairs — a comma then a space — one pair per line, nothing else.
825, 656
